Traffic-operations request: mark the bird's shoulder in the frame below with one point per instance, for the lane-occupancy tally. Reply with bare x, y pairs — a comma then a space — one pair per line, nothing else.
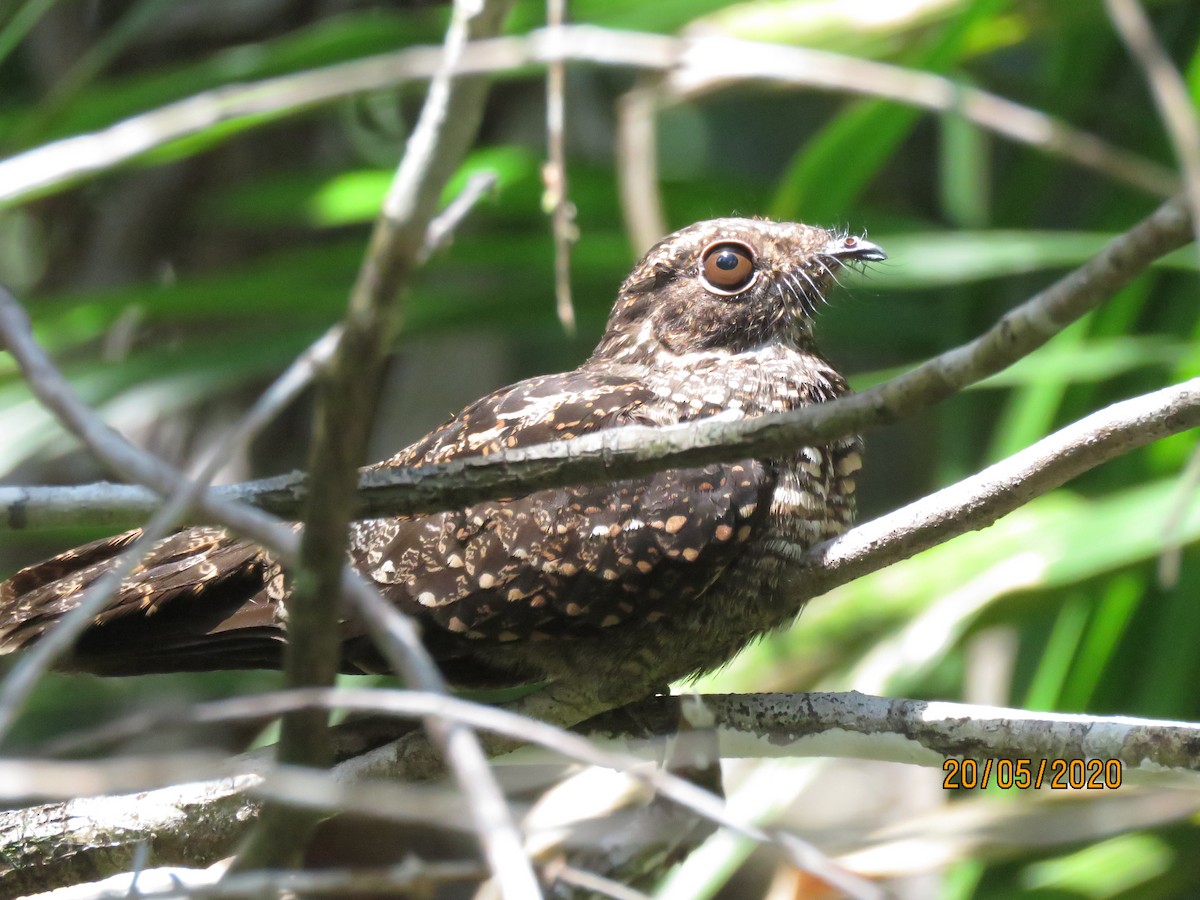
564, 561
533, 411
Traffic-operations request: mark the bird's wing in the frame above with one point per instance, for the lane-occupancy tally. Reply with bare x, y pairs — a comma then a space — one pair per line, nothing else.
558, 562
200, 599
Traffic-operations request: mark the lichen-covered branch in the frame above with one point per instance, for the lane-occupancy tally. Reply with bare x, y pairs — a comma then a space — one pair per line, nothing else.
918, 732
625, 452
195, 824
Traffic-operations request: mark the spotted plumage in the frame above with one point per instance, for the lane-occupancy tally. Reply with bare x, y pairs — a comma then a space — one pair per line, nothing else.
631, 583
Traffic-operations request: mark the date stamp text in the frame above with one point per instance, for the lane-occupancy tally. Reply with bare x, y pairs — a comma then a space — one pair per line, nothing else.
1025, 774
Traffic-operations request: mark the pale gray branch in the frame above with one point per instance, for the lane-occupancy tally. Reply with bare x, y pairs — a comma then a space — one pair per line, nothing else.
694, 64
637, 166
637, 450
346, 402
411, 876
161, 822
557, 199
185, 492
756, 725
981, 499
919, 732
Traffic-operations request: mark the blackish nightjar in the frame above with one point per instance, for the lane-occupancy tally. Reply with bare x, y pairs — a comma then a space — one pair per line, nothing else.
629, 584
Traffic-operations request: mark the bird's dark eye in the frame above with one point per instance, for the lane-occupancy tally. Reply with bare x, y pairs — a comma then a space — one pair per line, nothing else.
727, 267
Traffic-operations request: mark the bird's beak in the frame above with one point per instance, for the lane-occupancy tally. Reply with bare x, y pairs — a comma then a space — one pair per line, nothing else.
853, 249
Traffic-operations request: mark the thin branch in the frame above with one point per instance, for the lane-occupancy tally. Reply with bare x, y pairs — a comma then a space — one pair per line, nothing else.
981, 499
1170, 94
346, 404
554, 175
441, 230
637, 166
919, 732
695, 65
165, 516
517, 729
1178, 113
636, 450
750, 726
713, 63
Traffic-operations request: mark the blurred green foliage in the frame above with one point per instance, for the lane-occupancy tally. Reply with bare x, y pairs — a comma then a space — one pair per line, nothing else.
182, 282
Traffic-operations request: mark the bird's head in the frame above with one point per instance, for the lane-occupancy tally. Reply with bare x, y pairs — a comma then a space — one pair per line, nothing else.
730, 284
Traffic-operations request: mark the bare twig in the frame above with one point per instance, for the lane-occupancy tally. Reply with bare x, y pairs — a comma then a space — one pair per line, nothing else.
517, 729
712, 63
441, 229
698, 65
1170, 95
759, 726
346, 403
554, 175
637, 166
164, 516
980, 500
635, 450
1179, 116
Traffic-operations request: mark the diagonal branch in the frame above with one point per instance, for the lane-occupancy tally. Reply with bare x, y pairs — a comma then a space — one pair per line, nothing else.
978, 501
1169, 91
636, 450
345, 412
20, 681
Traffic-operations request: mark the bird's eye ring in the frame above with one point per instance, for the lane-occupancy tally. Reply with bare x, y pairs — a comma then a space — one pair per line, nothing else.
727, 267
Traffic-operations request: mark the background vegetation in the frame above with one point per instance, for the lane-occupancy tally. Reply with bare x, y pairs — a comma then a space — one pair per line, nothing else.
171, 288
